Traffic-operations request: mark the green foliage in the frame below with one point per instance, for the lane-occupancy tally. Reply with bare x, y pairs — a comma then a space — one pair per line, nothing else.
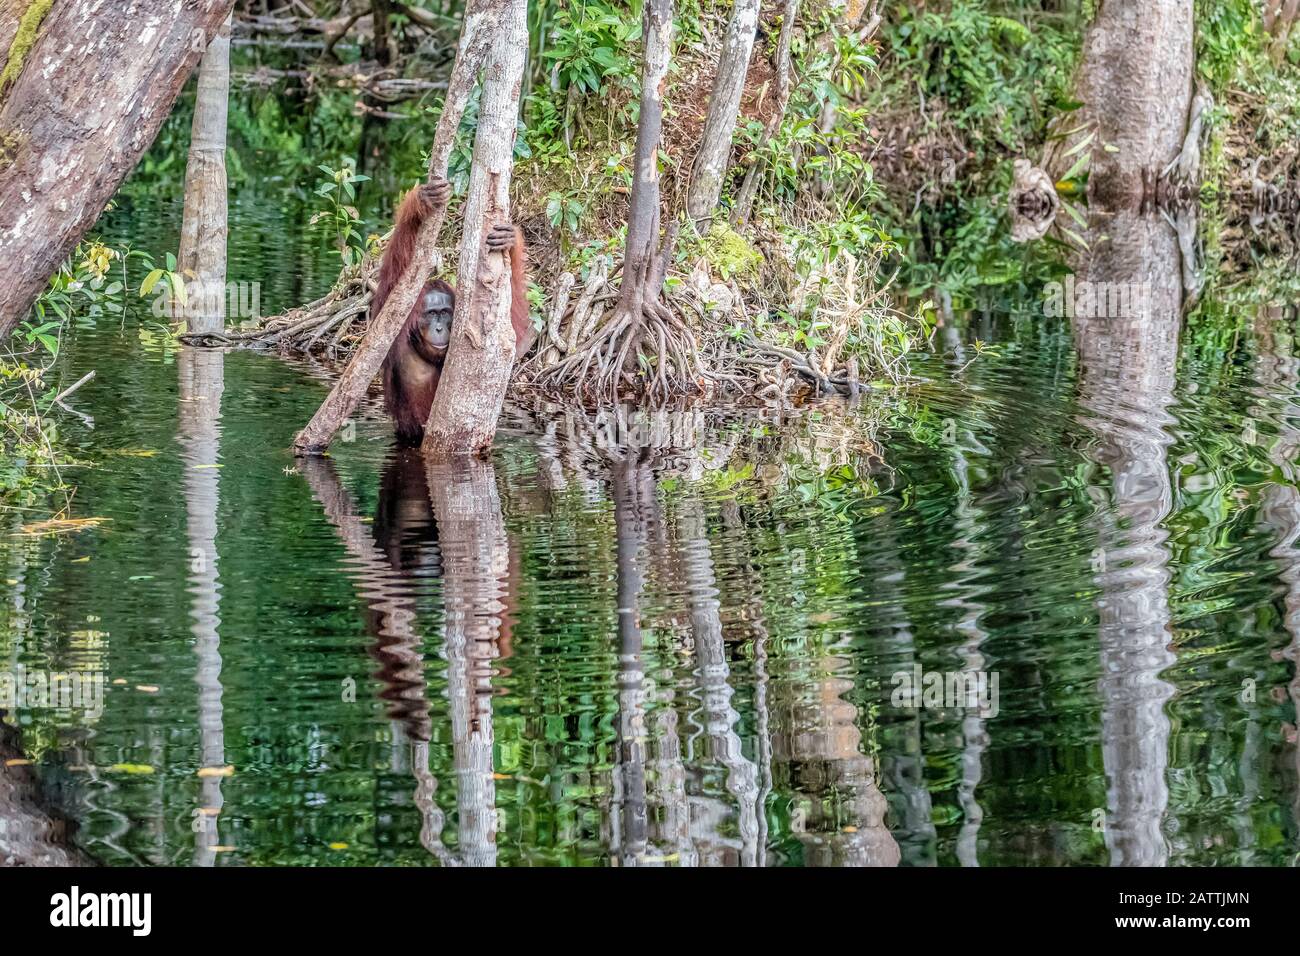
1229, 36
993, 77
89, 285
30, 451
593, 41
563, 213
340, 216
168, 280
462, 153
985, 79
729, 254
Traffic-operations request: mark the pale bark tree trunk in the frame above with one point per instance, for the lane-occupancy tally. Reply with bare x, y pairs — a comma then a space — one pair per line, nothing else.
784, 65
970, 518
204, 227
716, 692
1126, 381
73, 125
1135, 81
629, 813
463, 419
481, 30
475, 562
202, 381
729, 86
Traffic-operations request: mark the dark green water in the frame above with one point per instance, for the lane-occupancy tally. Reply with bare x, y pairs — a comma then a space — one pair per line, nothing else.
681, 645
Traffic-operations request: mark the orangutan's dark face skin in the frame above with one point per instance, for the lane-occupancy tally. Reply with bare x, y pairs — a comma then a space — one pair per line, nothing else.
436, 311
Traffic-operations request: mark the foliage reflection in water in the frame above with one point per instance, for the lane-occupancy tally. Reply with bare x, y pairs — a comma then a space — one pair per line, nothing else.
1057, 626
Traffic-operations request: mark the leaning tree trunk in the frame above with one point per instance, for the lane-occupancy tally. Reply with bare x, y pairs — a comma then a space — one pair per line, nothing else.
479, 33
73, 125
729, 86
203, 228
470, 394
784, 65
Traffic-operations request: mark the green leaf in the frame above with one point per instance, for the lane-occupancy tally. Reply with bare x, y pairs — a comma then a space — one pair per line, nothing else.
150, 281
178, 289
1081, 144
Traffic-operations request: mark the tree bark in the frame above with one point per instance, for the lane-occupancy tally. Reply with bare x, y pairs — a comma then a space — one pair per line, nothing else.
478, 34
11, 14
73, 126
729, 85
463, 419
1135, 81
379, 12
204, 227
643, 214
749, 188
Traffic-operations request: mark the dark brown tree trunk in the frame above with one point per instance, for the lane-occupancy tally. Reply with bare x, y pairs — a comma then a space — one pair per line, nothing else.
73, 126
379, 14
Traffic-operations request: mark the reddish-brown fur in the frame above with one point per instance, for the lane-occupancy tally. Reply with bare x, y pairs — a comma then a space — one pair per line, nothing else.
411, 370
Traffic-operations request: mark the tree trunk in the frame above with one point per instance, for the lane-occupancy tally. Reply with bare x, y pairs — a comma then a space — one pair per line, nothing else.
202, 381
643, 214
1127, 375
463, 419
1283, 20
73, 126
478, 34
11, 14
475, 562
749, 188
1135, 81
733, 66
203, 228
379, 12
